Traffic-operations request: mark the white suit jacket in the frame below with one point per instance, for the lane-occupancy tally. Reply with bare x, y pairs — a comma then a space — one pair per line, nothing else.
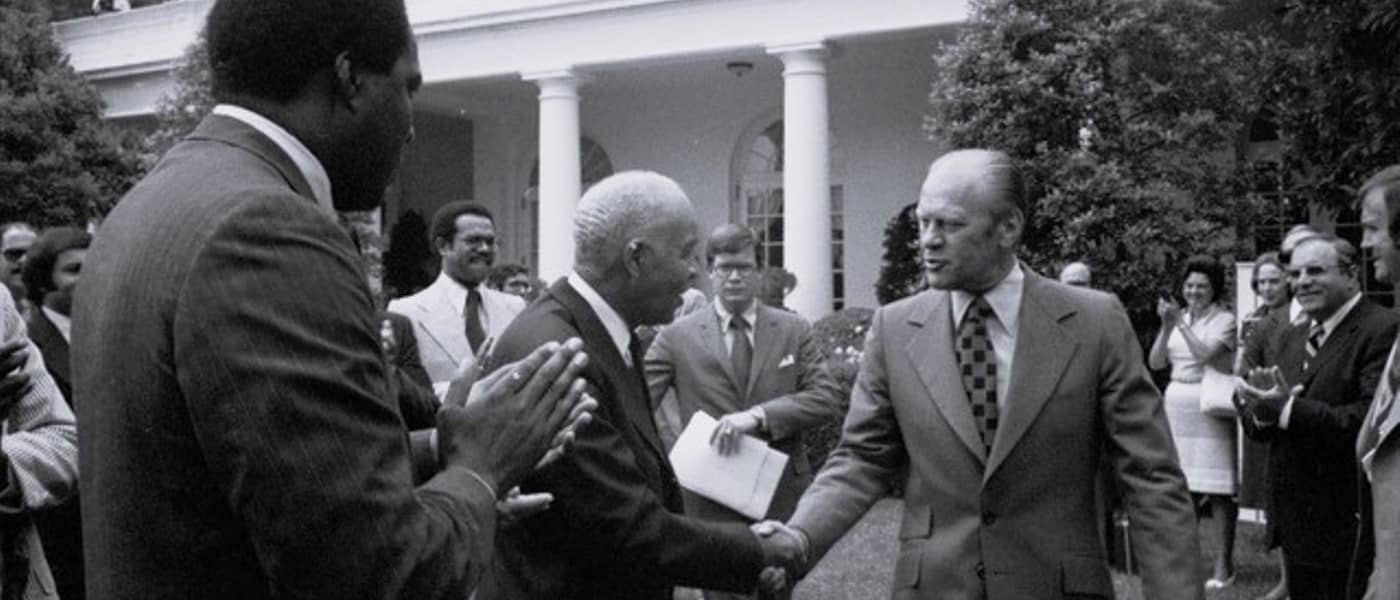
440, 328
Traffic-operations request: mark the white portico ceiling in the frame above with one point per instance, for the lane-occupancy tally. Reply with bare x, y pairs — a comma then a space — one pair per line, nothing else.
129, 55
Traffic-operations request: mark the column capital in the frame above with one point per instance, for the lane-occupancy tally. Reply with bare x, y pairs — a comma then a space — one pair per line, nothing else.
557, 83
807, 57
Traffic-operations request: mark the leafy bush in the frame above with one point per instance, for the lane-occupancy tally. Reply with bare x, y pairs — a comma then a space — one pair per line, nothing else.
840, 338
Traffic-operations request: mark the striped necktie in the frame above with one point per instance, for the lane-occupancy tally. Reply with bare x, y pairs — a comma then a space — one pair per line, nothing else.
1314, 343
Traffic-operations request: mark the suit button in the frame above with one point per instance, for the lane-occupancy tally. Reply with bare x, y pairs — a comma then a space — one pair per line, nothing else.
989, 518
981, 571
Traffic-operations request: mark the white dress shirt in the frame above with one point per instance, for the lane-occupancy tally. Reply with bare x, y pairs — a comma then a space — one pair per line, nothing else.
1005, 300
306, 162
725, 317
616, 327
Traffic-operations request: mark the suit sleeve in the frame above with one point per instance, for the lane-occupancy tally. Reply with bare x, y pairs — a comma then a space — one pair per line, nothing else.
607, 514
1326, 419
1144, 460
661, 374
40, 441
816, 400
278, 355
870, 455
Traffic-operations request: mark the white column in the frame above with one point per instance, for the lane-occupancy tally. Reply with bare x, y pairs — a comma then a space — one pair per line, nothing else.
560, 179
806, 177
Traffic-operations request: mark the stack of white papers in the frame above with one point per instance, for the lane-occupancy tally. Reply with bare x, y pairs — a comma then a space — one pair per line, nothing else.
744, 480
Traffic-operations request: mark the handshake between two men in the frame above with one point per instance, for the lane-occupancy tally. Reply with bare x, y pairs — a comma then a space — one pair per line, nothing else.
785, 551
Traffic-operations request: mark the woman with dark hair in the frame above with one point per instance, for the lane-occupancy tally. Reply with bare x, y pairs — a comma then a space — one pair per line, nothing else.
1197, 337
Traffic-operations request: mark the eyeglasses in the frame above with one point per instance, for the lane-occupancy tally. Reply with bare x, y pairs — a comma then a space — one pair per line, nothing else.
13, 254
731, 270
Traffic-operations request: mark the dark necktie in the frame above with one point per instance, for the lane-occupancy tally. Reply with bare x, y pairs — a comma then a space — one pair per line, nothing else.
740, 352
472, 315
979, 369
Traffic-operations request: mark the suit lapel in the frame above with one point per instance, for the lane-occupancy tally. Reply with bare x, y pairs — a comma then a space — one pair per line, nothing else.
930, 350
1335, 343
765, 347
629, 385
1043, 351
446, 319
713, 339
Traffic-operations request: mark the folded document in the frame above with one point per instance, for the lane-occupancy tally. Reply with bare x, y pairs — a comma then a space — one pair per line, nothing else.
744, 481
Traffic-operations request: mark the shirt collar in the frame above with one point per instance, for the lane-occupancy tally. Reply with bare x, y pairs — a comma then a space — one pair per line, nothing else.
750, 314
614, 324
61, 323
306, 162
1004, 298
1330, 325
454, 290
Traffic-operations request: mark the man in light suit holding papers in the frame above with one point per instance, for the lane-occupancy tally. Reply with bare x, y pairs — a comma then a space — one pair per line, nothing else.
753, 368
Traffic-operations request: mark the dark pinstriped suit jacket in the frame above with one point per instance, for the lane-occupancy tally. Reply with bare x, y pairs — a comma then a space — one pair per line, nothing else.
238, 440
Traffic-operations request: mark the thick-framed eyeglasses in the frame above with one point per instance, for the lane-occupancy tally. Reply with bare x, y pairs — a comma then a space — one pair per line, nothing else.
731, 270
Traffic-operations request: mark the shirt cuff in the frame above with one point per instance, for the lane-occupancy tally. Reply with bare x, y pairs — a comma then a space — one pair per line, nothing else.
1286, 413
762, 417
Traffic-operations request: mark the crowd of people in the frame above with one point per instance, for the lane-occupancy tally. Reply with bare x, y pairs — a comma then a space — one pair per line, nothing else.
253, 424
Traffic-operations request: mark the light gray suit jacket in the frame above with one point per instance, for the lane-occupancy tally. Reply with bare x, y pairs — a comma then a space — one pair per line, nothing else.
1379, 434
441, 331
787, 379
1020, 523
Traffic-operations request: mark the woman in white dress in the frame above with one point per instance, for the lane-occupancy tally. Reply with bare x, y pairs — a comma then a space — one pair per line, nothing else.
1201, 334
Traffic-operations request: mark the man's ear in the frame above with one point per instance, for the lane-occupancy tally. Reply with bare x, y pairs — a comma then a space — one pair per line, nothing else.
1013, 226
632, 257
346, 81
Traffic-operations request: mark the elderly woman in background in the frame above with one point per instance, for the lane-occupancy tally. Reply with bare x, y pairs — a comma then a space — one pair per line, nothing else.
1270, 283
1199, 336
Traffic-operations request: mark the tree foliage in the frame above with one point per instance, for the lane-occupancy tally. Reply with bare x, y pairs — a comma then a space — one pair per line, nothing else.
901, 273
1125, 115
60, 164
182, 108
1335, 94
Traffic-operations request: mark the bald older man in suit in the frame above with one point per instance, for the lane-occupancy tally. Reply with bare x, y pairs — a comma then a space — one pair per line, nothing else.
996, 395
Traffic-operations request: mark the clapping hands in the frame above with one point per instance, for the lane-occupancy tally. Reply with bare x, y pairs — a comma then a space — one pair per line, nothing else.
785, 551
1266, 392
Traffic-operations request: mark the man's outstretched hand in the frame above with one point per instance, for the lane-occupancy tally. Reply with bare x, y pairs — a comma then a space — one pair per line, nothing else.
785, 551
513, 417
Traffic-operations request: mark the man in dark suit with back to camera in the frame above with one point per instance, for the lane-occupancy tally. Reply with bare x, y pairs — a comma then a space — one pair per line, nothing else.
239, 439
1309, 406
615, 530
996, 394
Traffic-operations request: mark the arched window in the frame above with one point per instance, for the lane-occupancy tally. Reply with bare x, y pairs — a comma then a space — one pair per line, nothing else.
758, 200
594, 165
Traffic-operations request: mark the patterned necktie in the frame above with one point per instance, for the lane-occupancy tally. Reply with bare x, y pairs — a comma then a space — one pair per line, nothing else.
472, 315
1313, 344
741, 352
979, 368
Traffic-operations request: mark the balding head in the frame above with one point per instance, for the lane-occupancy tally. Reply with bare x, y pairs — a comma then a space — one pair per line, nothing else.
1076, 274
635, 236
971, 216
989, 175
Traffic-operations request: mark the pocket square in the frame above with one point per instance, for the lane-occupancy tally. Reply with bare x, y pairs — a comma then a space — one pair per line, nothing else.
787, 360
